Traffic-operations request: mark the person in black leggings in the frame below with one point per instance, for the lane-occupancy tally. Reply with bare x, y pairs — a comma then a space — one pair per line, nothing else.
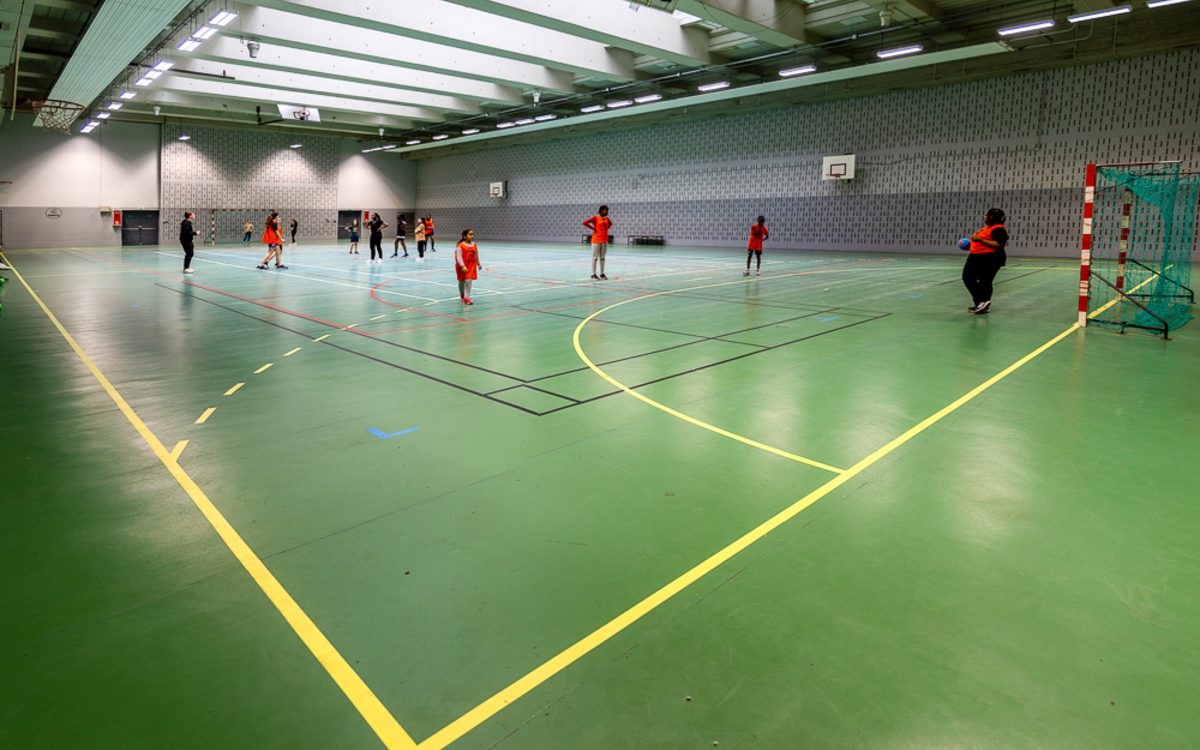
376, 226
295, 226
186, 236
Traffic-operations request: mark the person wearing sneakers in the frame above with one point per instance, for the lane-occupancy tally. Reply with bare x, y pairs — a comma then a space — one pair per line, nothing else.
273, 239
985, 260
429, 232
419, 233
353, 230
599, 224
249, 232
376, 225
186, 236
401, 230
758, 233
466, 264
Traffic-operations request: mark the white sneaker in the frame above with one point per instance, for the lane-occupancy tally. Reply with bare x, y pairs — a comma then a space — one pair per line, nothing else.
188, 270
758, 273
746, 272
4, 267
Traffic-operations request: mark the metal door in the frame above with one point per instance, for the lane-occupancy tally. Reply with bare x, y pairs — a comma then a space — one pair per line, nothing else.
344, 219
139, 228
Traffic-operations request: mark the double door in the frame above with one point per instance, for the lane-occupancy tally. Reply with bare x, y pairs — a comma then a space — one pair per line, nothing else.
139, 228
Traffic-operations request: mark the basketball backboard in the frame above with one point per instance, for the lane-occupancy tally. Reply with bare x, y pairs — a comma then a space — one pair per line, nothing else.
296, 112
837, 167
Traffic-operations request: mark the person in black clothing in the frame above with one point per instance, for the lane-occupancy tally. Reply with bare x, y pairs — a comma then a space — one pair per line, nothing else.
186, 235
295, 226
985, 261
376, 226
401, 230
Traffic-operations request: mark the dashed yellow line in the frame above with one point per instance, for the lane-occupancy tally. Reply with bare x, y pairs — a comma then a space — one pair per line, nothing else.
178, 450
207, 413
322, 338
263, 368
350, 326
298, 348
233, 390
377, 317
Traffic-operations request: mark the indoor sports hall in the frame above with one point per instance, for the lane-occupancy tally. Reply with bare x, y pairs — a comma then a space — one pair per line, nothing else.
550, 374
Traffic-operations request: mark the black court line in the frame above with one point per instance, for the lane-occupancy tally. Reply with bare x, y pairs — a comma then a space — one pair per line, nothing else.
715, 364
393, 365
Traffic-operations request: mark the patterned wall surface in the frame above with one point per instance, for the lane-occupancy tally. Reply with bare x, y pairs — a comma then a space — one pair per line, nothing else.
219, 168
929, 164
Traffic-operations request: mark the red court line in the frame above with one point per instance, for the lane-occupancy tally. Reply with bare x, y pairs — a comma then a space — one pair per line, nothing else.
413, 309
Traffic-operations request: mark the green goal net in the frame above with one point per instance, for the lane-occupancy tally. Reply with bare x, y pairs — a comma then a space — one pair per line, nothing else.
1139, 233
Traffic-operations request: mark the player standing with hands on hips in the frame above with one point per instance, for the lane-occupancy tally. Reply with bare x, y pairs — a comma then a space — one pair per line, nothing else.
466, 264
599, 224
758, 233
986, 258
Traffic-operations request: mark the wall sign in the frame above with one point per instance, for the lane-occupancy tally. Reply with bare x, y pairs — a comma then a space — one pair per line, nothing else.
53, 213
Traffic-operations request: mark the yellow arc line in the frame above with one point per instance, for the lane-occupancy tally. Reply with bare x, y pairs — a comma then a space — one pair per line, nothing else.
233, 390
516, 690
377, 716
263, 367
298, 348
207, 413
673, 412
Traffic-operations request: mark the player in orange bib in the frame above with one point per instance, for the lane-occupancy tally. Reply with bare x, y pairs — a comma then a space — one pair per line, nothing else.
599, 224
986, 258
466, 264
273, 239
758, 233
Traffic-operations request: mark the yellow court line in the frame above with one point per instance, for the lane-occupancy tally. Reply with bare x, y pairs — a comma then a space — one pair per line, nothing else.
322, 338
233, 390
377, 317
516, 690
207, 413
368, 705
263, 367
1117, 299
177, 451
349, 326
298, 348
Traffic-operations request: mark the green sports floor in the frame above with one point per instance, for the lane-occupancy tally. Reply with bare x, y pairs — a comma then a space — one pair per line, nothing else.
821, 508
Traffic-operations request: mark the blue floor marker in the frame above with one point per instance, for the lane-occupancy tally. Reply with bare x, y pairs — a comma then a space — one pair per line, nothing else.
826, 320
383, 435
914, 296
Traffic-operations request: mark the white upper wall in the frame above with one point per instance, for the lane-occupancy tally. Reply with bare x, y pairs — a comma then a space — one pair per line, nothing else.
367, 182
117, 165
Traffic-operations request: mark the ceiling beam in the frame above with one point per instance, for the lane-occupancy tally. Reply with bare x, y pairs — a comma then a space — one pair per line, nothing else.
446, 25
317, 84
192, 106
270, 96
615, 24
777, 22
223, 49
74, 5
285, 29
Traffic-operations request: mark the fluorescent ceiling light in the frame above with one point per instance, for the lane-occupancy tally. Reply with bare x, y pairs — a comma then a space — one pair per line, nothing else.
128, 94
85, 129
104, 115
164, 65
1160, 3
593, 108
390, 145
526, 121
152, 74
1100, 14
296, 145
204, 32
544, 118
901, 51
115, 105
618, 105
1026, 27
143, 82
413, 142
504, 125
797, 71
187, 45
714, 86
685, 17
648, 98
470, 131
223, 18
185, 138
441, 137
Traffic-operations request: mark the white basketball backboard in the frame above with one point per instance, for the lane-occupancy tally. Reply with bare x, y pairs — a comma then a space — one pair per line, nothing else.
296, 112
837, 167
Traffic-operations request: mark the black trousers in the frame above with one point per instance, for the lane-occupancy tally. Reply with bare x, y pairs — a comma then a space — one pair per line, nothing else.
978, 273
377, 245
188, 250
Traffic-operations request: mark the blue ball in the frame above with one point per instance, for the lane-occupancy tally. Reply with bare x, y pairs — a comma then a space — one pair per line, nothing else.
964, 244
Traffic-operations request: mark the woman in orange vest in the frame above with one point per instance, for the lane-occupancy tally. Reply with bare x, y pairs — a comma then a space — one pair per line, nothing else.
466, 264
599, 224
986, 258
273, 239
758, 233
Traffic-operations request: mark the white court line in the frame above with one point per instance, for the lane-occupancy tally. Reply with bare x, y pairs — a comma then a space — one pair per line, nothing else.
304, 278
356, 274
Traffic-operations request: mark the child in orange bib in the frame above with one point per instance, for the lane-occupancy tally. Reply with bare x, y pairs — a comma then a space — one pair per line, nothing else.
466, 264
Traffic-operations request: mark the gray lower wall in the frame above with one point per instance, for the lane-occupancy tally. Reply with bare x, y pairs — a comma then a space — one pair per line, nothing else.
930, 162
25, 227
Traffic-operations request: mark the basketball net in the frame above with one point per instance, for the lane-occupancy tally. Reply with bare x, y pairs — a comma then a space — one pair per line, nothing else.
56, 115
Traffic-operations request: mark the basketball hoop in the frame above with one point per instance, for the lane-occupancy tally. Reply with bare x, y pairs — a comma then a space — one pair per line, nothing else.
301, 114
56, 115
835, 175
